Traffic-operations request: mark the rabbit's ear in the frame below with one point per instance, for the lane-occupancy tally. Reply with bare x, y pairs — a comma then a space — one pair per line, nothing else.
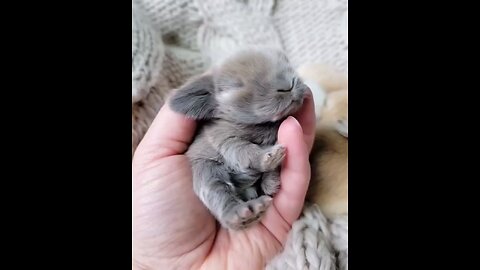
196, 98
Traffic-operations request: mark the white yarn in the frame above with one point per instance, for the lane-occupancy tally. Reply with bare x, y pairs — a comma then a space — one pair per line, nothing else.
197, 33
308, 245
230, 26
339, 239
312, 31
344, 26
147, 55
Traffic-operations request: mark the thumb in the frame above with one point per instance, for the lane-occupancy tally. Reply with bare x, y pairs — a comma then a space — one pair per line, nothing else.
295, 174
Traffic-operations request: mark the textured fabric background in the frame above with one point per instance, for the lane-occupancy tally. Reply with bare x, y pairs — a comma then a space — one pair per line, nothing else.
173, 40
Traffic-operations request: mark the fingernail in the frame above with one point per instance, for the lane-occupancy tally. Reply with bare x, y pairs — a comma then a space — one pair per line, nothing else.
291, 118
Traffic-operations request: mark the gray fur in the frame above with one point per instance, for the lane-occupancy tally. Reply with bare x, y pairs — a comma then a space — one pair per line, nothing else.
235, 158
196, 98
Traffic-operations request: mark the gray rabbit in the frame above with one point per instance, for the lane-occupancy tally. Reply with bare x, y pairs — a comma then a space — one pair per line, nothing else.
234, 156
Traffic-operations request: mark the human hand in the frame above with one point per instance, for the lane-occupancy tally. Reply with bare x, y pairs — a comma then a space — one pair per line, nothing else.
172, 229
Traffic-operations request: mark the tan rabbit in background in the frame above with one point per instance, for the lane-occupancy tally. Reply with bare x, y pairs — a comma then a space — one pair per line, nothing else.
329, 156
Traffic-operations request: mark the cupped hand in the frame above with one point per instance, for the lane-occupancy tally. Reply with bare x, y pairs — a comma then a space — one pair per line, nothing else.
171, 229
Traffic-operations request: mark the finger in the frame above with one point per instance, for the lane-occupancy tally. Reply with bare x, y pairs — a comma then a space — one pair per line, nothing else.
295, 173
306, 118
169, 134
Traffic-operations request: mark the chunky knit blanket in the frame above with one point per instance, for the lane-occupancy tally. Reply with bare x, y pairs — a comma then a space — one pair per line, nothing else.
173, 40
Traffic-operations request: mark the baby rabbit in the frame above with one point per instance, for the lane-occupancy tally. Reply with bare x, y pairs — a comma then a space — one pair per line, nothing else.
329, 156
235, 158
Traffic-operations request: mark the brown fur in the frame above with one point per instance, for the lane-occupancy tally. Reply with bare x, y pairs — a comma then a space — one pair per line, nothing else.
336, 108
329, 182
330, 79
329, 156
